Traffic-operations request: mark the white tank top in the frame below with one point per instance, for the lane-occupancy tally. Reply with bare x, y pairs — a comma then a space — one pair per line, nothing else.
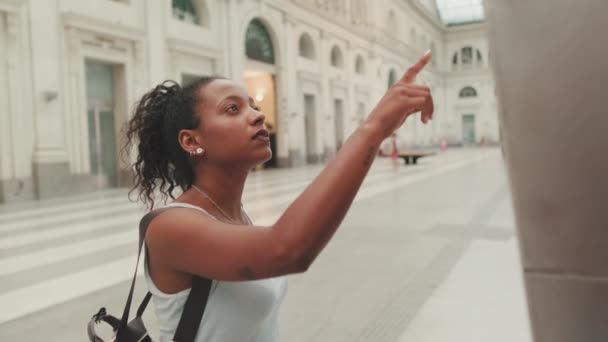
239, 311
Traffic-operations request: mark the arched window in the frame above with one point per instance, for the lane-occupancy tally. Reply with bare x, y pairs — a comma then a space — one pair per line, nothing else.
306, 46
336, 57
466, 59
392, 77
467, 56
258, 44
184, 10
468, 92
360, 65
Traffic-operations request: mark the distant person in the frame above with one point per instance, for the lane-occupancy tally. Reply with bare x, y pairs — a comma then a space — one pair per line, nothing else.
204, 139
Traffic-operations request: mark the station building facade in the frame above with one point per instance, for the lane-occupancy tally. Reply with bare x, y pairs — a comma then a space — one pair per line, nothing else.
73, 70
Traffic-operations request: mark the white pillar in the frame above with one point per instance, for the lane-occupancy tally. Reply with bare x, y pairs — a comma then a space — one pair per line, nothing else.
236, 43
6, 139
324, 122
16, 117
351, 100
551, 77
46, 57
282, 64
292, 98
225, 28
156, 31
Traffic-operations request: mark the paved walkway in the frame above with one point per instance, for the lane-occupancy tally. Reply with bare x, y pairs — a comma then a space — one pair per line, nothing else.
427, 253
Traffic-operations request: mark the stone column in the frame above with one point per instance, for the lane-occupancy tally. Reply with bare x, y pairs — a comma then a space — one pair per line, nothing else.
51, 169
325, 123
350, 105
551, 73
295, 155
6, 161
235, 54
74, 105
284, 67
139, 72
156, 13
19, 99
10, 144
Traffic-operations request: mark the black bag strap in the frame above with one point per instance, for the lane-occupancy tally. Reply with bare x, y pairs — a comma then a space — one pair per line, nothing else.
196, 302
144, 304
193, 310
143, 227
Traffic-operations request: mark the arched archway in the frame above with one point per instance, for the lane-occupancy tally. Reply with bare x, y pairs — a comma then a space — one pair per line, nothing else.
467, 57
306, 47
260, 77
191, 11
337, 60
258, 43
467, 92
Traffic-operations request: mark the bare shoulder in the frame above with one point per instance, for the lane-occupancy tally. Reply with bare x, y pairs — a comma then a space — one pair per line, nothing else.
190, 241
176, 223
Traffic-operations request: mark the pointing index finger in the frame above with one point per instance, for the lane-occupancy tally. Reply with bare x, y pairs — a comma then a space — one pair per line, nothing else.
412, 72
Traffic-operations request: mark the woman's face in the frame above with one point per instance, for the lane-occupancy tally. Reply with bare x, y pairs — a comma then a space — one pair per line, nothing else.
232, 128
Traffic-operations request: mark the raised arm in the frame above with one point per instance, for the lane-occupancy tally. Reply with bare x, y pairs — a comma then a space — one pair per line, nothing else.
192, 242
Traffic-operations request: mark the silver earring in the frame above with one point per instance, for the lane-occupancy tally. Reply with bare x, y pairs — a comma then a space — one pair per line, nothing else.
200, 151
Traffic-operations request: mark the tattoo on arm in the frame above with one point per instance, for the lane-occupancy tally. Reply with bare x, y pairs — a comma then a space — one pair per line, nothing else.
369, 157
247, 273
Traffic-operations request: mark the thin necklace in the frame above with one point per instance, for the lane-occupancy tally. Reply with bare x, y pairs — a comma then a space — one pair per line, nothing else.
217, 206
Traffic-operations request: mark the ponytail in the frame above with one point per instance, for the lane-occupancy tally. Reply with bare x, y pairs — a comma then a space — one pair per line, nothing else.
161, 163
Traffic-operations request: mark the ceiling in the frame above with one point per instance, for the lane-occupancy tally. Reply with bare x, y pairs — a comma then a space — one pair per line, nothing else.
458, 12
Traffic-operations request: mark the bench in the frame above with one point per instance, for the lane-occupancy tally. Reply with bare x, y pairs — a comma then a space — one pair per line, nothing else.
411, 157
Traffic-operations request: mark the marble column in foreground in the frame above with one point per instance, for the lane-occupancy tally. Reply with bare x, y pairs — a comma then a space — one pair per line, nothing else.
551, 64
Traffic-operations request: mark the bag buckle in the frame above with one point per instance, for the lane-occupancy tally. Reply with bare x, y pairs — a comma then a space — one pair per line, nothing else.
99, 315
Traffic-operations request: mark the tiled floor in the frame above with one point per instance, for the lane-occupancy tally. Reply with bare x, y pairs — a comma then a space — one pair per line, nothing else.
427, 253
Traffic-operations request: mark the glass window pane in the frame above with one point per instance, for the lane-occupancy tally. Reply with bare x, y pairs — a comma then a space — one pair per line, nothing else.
457, 12
258, 45
467, 55
468, 92
185, 10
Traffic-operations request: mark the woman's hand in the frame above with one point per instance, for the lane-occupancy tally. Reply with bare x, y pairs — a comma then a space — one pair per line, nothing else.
403, 99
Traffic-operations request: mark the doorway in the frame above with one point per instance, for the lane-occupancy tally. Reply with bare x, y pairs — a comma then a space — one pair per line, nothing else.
339, 122
468, 129
310, 127
101, 122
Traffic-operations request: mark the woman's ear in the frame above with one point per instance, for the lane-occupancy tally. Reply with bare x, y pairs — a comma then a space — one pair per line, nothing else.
189, 140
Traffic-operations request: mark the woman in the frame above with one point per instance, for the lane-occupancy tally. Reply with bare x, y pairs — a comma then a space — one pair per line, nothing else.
204, 139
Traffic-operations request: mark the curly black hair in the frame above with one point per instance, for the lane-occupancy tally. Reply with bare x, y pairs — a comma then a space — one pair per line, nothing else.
158, 117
